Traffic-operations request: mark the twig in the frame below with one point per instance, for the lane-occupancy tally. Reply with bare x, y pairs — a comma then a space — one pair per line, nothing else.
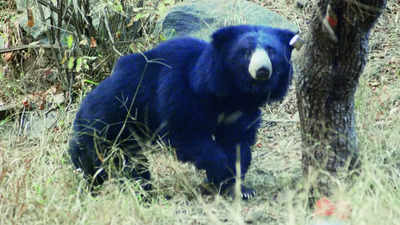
50, 6
49, 33
23, 47
109, 34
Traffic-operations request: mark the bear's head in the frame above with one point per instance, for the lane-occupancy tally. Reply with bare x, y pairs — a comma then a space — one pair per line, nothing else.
253, 60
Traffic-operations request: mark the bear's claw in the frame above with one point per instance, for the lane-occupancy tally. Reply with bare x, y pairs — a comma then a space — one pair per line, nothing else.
246, 192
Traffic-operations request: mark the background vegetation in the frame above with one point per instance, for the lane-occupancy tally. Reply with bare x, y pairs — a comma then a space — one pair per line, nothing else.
37, 181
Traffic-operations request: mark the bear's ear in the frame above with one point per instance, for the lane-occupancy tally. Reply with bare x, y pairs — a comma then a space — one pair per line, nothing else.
285, 35
227, 34
290, 38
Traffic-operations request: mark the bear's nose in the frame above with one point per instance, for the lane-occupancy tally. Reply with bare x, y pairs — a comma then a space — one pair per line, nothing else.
263, 74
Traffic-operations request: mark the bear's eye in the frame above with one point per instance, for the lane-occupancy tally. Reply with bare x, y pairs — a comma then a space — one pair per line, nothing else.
270, 50
246, 53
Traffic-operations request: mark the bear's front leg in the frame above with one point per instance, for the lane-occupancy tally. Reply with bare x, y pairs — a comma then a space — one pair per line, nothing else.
205, 153
221, 170
238, 134
241, 153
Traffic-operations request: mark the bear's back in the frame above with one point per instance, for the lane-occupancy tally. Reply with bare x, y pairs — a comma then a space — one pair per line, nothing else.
179, 52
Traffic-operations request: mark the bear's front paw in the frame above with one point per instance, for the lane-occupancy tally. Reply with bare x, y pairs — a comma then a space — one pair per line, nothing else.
246, 193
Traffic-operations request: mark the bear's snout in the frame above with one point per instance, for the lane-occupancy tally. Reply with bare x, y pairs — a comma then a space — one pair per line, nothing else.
260, 66
263, 74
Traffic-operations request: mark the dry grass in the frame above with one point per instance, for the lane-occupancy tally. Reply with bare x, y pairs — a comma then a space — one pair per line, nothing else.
38, 186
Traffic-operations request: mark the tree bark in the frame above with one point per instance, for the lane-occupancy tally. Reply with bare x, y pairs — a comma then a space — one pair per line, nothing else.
332, 61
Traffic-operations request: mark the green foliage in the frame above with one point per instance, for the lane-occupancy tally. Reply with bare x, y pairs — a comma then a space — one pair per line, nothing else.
117, 6
71, 61
89, 46
91, 82
70, 41
4, 122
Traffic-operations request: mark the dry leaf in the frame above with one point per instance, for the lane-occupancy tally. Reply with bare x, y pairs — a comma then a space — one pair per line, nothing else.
26, 103
31, 21
340, 209
59, 98
42, 104
8, 56
93, 43
84, 42
131, 21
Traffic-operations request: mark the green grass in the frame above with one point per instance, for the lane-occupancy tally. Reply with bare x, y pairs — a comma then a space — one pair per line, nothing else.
38, 184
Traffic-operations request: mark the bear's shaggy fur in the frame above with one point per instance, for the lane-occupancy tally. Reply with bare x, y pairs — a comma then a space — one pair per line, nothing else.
202, 98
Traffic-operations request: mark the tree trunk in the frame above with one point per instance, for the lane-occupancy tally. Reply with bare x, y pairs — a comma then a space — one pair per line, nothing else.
332, 61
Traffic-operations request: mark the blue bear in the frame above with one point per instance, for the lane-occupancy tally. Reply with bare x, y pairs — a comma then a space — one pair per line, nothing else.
202, 98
